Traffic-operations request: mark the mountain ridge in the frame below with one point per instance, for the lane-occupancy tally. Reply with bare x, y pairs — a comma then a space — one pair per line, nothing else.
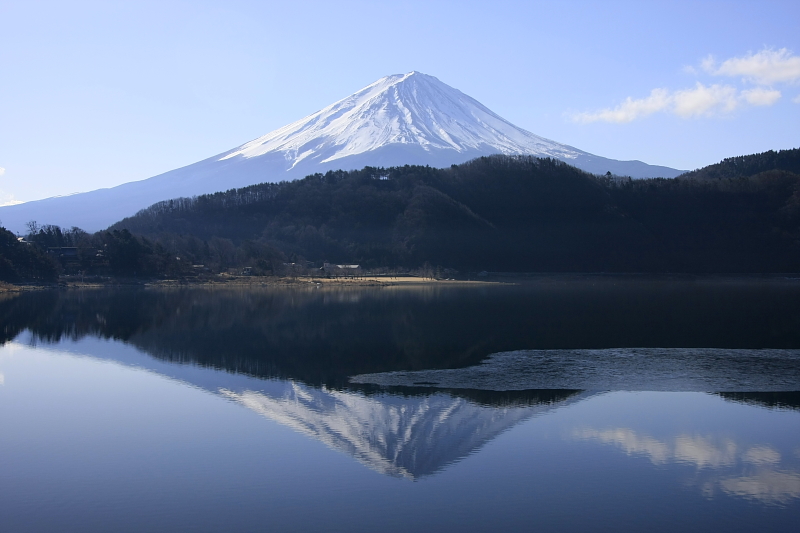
401, 119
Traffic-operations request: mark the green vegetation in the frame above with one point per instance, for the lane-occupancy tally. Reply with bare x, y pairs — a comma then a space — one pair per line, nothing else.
20, 261
748, 165
109, 253
497, 213
506, 214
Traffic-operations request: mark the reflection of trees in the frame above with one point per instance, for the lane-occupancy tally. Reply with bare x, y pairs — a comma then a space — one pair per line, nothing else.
318, 336
484, 398
18, 312
322, 336
775, 400
519, 398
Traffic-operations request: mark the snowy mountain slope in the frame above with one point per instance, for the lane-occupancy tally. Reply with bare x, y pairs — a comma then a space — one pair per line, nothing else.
401, 119
410, 109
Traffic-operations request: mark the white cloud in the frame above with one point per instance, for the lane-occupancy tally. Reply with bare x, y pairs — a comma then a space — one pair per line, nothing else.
630, 109
704, 100
699, 101
764, 68
708, 64
760, 96
8, 199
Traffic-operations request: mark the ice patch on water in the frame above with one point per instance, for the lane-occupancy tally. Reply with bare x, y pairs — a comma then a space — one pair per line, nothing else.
656, 369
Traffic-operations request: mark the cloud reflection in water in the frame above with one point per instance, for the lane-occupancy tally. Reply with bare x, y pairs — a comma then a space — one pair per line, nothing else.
757, 477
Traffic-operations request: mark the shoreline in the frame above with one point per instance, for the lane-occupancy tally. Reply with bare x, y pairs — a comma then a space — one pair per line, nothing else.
494, 278
247, 281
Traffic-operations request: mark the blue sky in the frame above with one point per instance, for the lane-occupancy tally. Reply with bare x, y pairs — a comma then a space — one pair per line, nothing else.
94, 94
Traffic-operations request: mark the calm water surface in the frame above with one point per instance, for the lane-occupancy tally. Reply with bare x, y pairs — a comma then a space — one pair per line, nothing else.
569, 404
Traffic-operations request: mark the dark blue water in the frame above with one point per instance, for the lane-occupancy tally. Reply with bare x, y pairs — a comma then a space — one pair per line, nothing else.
628, 407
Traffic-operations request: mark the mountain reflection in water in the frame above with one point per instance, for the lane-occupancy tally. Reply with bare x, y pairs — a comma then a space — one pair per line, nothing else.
400, 436
288, 354
408, 434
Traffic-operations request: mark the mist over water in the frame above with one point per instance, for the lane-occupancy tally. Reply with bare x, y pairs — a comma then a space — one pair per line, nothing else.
571, 400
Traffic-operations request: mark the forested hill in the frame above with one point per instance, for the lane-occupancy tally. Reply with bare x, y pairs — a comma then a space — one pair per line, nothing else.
501, 213
21, 262
495, 213
748, 165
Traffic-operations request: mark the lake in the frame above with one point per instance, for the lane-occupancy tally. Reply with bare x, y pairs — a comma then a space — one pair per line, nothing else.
569, 403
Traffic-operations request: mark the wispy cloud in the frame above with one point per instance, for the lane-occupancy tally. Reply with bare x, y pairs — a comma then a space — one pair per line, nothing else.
701, 100
763, 68
760, 96
8, 199
704, 100
630, 109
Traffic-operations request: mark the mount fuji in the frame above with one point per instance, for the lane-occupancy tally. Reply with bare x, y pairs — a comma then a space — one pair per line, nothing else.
401, 119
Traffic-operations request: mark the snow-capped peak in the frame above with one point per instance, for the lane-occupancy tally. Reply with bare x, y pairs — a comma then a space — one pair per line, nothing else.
403, 119
401, 109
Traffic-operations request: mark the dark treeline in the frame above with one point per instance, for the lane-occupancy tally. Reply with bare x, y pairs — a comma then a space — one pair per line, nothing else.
74, 251
493, 213
748, 165
747, 224
497, 213
504, 213
21, 262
